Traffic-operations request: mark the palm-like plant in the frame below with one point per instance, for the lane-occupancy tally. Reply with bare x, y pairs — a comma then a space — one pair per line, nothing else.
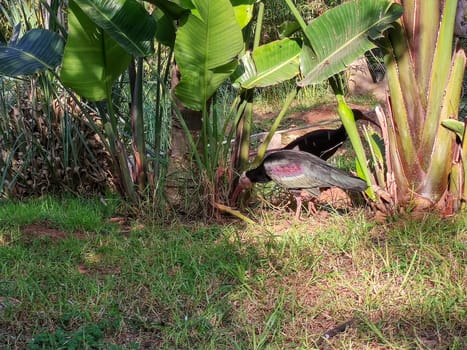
425, 69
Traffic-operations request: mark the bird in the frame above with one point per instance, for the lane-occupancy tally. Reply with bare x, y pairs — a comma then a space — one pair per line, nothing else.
301, 173
324, 143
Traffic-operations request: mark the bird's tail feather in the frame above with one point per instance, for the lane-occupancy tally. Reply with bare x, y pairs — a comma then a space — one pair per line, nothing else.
353, 183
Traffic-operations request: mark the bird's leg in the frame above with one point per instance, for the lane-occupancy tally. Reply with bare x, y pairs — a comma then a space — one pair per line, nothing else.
305, 195
298, 199
311, 206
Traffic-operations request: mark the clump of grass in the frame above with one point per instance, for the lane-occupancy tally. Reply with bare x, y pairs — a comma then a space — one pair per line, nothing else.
278, 286
69, 213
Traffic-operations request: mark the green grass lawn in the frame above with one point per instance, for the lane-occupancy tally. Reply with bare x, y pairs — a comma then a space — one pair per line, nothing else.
75, 280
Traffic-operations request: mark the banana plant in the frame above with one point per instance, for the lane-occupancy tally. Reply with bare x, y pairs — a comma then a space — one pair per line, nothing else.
103, 37
205, 58
209, 40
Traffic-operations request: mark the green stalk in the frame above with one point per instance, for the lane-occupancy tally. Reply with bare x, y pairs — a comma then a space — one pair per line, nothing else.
205, 141
442, 60
213, 132
246, 131
426, 42
259, 24
158, 118
238, 129
215, 128
245, 123
402, 84
348, 120
119, 152
298, 16
442, 147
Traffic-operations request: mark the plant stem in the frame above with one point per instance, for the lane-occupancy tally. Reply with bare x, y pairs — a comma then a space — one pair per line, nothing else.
137, 125
348, 120
297, 15
259, 24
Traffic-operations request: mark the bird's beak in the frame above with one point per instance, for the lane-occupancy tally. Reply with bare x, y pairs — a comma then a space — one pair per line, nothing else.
243, 183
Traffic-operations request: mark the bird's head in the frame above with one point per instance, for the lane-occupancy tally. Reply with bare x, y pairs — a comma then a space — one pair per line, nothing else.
243, 183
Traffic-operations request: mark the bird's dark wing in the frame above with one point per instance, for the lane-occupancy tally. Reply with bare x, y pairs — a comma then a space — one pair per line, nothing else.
329, 176
295, 169
288, 170
322, 142
288, 174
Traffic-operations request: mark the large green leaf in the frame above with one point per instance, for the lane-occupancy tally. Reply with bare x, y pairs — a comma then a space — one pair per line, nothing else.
92, 60
243, 11
37, 50
166, 30
126, 21
342, 34
270, 64
206, 50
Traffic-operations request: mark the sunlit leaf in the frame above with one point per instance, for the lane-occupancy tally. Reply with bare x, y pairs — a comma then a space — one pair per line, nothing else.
243, 11
92, 60
270, 64
206, 50
455, 126
125, 21
342, 34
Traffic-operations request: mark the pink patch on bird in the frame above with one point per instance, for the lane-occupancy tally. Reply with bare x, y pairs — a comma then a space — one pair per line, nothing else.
286, 170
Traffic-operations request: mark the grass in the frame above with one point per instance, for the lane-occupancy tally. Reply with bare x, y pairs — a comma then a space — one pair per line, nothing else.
101, 285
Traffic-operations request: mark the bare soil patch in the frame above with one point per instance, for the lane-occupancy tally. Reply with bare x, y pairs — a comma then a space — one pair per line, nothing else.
324, 116
45, 229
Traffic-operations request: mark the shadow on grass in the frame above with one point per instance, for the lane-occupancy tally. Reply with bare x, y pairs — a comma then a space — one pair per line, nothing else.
151, 288
231, 287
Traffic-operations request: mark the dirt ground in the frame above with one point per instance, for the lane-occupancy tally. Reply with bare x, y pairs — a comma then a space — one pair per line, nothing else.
300, 123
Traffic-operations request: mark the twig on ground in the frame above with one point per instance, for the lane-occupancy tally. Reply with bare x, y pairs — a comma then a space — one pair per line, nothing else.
335, 331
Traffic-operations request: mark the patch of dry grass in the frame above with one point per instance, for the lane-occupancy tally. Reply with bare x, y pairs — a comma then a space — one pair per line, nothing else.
403, 286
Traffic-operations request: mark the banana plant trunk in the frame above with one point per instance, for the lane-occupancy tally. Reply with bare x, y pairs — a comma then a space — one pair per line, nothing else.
425, 69
137, 123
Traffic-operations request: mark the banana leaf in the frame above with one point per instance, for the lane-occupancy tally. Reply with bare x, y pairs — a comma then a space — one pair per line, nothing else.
342, 34
92, 59
269, 64
206, 49
125, 21
37, 50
